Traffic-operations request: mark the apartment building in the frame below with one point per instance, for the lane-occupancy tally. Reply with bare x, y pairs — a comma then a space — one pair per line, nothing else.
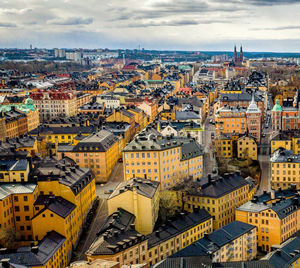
49, 252
289, 140
54, 103
14, 170
247, 148
140, 197
163, 159
276, 219
99, 152
119, 241
285, 169
218, 195
234, 242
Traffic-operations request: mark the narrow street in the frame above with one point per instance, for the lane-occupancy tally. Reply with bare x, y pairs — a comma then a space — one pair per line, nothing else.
264, 162
103, 191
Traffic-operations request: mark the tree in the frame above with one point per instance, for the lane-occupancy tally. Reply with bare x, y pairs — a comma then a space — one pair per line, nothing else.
8, 237
169, 205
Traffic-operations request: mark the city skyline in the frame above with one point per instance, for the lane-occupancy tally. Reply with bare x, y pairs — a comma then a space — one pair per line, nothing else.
175, 25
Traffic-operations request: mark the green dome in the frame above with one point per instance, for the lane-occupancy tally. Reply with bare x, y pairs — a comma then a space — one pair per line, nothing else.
277, 107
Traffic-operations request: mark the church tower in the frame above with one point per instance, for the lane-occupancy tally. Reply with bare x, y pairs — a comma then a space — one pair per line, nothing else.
253, 115
235, 55
277, 116
241, 54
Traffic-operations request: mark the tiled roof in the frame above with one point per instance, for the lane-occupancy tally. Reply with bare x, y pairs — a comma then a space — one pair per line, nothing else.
7, 189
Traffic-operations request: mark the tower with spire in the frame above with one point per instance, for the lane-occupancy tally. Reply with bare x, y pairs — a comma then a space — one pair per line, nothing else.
235, 55
254, 115
241, 54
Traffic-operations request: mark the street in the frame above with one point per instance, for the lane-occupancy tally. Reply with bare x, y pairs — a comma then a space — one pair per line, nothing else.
102, 191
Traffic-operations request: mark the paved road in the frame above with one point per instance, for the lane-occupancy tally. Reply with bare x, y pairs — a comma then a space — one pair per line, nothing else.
101, 190
209, 159
264, 162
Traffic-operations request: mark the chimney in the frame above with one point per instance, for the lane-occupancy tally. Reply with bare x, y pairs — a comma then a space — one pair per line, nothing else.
157, 233
5, 263
209, 178
35, 249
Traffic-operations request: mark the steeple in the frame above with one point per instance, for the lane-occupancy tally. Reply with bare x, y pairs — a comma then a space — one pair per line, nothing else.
252, 108
241, 54
235, 54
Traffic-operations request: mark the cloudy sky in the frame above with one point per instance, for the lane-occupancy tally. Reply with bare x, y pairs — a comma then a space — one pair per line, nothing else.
260, 25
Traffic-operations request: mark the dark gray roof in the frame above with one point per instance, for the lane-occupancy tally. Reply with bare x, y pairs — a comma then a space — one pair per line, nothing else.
244, 96
14, 165
98, 142
281, 155
117, 233
184, 262
143, 187
173, 228
212, 242
287, 254
180, 115
63, 130
215, 186
56, 204
65, 171
46, 249
244, 264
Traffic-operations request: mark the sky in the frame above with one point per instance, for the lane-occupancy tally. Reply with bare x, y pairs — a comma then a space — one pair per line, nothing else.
201, 25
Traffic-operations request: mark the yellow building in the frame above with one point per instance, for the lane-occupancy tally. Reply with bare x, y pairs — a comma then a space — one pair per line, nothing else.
235, 242
100, 152
140, 197
285, 169
247, 148
67, 193
16, 209
14, 170
224, 146
50, 252
276, 219
119, 241
163, 159
56, 135
287, 140
219, 196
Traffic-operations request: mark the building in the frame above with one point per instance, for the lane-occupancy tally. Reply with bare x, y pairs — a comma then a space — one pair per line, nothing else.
276, 220
66, 194
118, 240
218, 195
110, 101
17, 209
289, 140
247, 147
235, 241
163, 159
14, 170
285, 169
54, 103
254, 116
140, 197
59, 53
286, 255
99, 152
50, 252
226, 145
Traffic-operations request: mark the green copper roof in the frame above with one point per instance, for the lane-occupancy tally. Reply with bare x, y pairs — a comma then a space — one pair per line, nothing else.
277, 107
26, 108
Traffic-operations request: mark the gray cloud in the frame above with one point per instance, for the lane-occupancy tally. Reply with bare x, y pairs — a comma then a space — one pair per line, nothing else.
7, 25
281, 28
71, 21
184, 22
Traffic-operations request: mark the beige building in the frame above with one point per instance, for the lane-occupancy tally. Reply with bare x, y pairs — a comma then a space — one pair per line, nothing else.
54, 103
140, 197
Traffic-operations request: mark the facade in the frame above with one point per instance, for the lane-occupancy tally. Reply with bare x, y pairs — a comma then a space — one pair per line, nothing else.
99, 152
14, 170
289, 140
163, 159
254, 116
247, 147
285, 169
119, 241
234, 242
54, 103
140, 197
219, 196
276, 219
